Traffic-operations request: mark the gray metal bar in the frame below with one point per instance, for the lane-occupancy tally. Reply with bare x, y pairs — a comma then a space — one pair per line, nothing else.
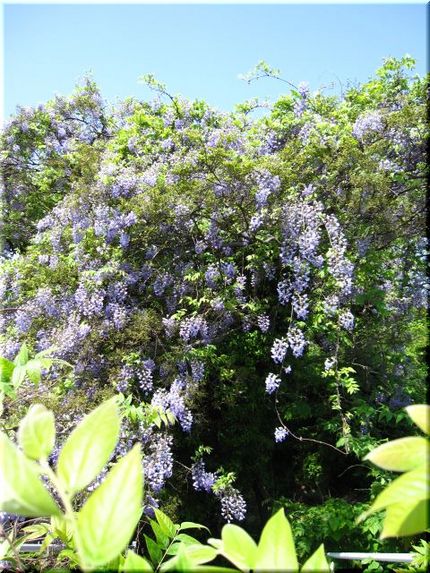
387, 557
34, 547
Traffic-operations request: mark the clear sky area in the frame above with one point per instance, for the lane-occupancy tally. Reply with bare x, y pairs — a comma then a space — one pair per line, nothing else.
199, 50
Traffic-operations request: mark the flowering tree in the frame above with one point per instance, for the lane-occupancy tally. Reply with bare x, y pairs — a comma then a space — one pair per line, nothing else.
224, 274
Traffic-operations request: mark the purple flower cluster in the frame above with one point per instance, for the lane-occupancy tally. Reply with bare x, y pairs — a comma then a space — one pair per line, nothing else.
233, 505
158, 464
280, 434
279, 350
272, 383
296, 341
202, 480
368, 123
192, 327
263, 322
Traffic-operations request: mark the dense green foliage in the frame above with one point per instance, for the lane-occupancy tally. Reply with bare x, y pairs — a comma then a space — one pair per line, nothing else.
253, 288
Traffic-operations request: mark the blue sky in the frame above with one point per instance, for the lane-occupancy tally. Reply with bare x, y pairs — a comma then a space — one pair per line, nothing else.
199, 50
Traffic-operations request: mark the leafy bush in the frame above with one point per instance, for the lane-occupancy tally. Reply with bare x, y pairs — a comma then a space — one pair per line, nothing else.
253, 288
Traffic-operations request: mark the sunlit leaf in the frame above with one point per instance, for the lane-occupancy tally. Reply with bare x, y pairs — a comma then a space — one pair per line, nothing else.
36, 433
420, 415
21, 490
404, 519
317, 562
400, 455
192, 525
276, 550
6, 369
134, 562
410, 487
109, 517
22, 357
89, 446
238, 547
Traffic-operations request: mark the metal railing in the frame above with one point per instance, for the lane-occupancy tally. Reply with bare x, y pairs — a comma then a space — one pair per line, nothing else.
359, 556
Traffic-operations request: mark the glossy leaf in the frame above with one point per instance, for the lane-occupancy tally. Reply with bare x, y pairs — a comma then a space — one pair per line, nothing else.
89, 447
317, 562
238, 547
276, 550
109, 517
21, 490
36, 433
420, 415
400, 455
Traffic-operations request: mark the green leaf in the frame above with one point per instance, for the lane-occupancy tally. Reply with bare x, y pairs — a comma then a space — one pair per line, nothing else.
404, 519
180, 562
400, 455
69, 554
420, 415
276, 551
134, 562
6, 369
107, 520
238, 547
186, 539
410, 487
89, 447
199, 553
166, 524
35, 531
22, 357
36, 433
154, 550
191, 525
18, 376
317, 561
34, 371
163, 540
21, 490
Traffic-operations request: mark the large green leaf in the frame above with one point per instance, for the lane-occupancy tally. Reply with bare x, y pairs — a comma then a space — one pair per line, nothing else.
89, 446
317, 562
238, 547
109, 517
409, 488
400, 455
276, 551
404, 519
36, 433
21, 490
420, 414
